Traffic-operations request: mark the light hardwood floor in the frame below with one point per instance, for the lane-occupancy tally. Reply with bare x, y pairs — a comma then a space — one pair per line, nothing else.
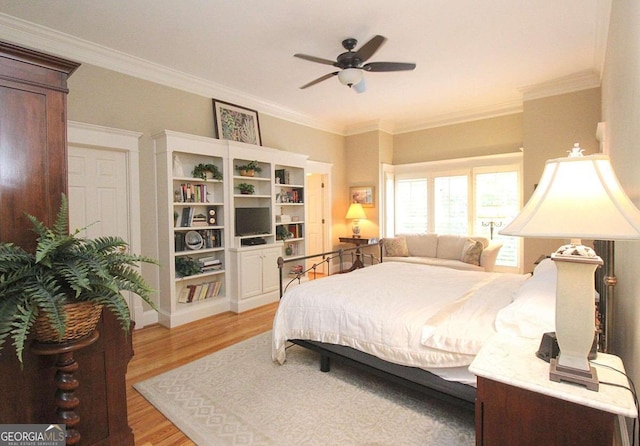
158, 349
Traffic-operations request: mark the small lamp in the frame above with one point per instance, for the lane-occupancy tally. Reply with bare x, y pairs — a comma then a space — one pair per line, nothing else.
577, 197
355, 213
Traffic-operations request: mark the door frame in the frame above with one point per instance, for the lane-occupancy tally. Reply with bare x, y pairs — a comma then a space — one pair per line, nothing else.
112, 139
322, 168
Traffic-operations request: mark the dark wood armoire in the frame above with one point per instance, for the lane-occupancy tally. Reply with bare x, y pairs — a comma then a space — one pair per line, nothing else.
33, 176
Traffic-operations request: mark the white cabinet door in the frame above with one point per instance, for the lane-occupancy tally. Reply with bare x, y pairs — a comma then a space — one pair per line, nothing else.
250, 274
270, 275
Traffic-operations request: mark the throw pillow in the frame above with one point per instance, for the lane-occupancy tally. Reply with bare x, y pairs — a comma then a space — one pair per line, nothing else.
472, 251
396, 247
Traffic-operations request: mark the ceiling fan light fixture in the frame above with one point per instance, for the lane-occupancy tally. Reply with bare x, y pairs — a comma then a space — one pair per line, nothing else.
350, 76
360, 87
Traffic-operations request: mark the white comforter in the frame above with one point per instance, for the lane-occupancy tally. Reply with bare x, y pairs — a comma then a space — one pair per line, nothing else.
416, 315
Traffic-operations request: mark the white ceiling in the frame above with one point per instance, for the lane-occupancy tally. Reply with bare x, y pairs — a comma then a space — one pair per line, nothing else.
474, 58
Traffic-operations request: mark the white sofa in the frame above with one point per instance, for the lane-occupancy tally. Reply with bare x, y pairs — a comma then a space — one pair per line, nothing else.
453, 251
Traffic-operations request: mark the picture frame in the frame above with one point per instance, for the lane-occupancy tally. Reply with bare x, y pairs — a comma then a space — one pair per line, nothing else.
362, 195
236, 123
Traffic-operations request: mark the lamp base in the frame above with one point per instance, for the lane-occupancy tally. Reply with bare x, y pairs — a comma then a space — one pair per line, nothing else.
589, 379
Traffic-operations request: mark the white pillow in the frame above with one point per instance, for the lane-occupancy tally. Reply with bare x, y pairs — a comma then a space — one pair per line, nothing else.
533, 310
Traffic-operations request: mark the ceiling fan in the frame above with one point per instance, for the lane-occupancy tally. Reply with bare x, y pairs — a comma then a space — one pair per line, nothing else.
352, 63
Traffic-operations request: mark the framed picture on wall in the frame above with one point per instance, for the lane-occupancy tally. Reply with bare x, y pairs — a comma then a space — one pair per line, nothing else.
236, 123
362, 195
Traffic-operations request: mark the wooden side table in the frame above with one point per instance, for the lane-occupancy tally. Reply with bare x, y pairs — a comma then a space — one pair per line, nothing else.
358, 241
518, 404
66, 382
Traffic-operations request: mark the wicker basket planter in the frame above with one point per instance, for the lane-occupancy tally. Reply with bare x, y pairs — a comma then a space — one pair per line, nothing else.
82, 318
247, 173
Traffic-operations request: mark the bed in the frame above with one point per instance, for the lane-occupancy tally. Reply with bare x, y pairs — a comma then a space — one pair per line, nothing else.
418, 325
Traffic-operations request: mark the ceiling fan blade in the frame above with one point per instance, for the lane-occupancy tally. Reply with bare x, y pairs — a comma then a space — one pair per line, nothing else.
315, 59
368, 49
320, 79
388, 66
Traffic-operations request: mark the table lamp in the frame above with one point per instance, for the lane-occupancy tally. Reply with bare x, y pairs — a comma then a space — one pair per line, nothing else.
577, 197
355, 213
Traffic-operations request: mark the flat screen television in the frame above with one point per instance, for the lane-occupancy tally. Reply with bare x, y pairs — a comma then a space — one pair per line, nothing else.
253, 221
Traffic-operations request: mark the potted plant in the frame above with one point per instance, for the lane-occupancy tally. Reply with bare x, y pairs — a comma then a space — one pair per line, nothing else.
246, 189
59, 292
205, 171
249, 169
282, 233
186, 266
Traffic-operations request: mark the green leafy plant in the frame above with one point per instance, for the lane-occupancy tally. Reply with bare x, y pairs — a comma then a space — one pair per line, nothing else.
186, 266
251, 166
201, 170
65, 269
282, 233
246, 188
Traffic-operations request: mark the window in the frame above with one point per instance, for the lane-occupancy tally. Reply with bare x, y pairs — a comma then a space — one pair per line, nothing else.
475, 196
411, 206
497, 199
451, 205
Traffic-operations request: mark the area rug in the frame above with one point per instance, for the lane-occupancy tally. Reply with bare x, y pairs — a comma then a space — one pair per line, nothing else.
238, 396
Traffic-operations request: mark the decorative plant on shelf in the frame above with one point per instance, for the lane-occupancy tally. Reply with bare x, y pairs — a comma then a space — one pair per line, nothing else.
249, 169
246, 189
205, 171
186, 266
68, 278
282, 233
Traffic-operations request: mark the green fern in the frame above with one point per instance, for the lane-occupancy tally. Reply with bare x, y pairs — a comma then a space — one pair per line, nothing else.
65, 268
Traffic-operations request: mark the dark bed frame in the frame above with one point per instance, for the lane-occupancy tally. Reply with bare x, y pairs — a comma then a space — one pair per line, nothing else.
415, 378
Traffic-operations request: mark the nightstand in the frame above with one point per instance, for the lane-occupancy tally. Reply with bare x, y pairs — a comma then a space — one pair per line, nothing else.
518, 404
358, 241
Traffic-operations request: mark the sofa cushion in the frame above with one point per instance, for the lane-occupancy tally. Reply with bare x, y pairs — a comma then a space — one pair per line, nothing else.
450, 246
396, 247
422, 245
472, 251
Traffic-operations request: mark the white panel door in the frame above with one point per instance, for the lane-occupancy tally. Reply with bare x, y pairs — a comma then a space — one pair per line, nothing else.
98, 192
315, 203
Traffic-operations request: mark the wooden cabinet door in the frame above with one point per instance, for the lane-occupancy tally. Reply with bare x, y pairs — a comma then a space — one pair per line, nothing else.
508, 415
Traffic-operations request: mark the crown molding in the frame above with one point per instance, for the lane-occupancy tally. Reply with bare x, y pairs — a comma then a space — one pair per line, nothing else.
582, 80
475, 114
369, 126
24, 33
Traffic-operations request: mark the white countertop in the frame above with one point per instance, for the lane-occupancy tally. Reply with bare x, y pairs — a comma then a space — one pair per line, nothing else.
512, 360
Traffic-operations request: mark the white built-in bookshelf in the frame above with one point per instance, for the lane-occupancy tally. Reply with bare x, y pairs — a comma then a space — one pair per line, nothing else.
218, 246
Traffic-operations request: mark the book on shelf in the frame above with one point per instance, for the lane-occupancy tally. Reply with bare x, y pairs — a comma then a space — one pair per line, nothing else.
187, 215
179, 241
209, 264
294, 230
200, 292
199, 219
296, 269
193, 193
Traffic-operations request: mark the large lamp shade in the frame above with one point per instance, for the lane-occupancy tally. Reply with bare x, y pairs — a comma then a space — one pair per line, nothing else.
577, 197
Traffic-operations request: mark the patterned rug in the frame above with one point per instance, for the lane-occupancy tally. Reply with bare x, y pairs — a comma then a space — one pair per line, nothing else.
238, 396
